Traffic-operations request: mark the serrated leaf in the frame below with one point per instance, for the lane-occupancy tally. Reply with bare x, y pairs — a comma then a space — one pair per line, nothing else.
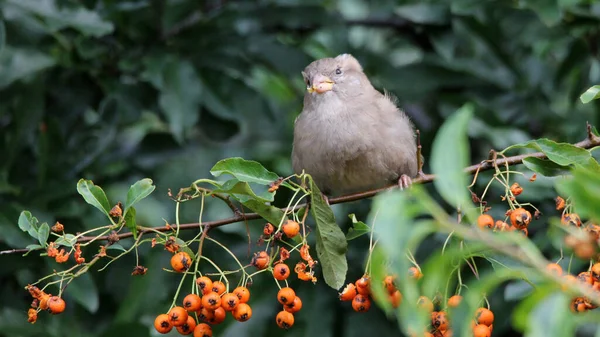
130, 221
138, 191
93, 195
358, 228
43, 234
68, 240
244, 170
590, 94
545, 167
450, 155
28, 223
331, 242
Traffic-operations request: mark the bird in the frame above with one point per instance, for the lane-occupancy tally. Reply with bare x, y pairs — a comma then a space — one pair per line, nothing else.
349, 136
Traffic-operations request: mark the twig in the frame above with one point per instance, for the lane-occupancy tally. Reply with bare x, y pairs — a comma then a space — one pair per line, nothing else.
591, 141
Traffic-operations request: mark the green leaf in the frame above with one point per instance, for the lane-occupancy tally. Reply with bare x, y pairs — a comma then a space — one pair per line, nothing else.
242, 191
43, 234
331, 242
138, 191
426, 13
270, 213
449, 156
93, 195
546, 315
83, 289
130, 221
358, 228
584, 188
116, 246
590, 94
2, 35
244, 170
68, 240
563, 154
33, 247
545, 167
17, 64
28, 223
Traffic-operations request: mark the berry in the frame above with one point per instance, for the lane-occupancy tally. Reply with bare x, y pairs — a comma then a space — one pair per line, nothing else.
205, 284
485, 221
502, 226
361, 303
425, 303
454, 301
218, 287
554, 268
211, 301
440, 321
162, 324
348, 293
395, 298
484, 316
481, 331
281, 271
203, 330
229, 301
286, 295
56, 305
363, 285
571, 219
268, 229
293, 307
192, 302
242, 312
218, 316
291, 228
520, 218
188, 327
284, 319
181, 262
415, 273
206, 315
261, 260
389, 283
516, 189
242, 293
178, 316
596, 271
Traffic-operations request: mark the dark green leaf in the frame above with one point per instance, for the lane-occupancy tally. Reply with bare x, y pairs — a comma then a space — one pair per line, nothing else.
116, 246
424, 13
138, 191
590, 94
43, 233
563, 154
242, 191
83, 289
28, 223
33, 247
16, 64
450, 155
358, 228
270, 213
2, 35
130, 221
545, 167
244, 170
68, 240
93, 195
331, 242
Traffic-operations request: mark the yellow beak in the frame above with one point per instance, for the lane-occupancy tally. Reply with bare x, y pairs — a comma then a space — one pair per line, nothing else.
321, 84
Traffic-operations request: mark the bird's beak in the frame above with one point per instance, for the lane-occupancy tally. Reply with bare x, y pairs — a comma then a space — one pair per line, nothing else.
321, 84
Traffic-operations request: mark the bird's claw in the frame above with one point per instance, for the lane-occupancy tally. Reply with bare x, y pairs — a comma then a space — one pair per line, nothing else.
404, 182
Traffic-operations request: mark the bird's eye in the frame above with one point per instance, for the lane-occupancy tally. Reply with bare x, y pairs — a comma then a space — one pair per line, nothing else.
307, 82
338, 71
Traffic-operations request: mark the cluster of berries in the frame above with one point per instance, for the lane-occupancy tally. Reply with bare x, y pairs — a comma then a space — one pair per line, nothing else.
520, 218
210, 308
43, 301
291, 305
589, 278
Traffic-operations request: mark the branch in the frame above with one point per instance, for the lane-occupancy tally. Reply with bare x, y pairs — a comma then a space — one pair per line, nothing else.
590, 142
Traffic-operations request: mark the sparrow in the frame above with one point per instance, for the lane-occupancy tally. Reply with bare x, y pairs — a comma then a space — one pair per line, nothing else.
350, 137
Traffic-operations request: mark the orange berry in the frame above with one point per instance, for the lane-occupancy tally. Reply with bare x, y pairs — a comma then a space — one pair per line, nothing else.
205, 284
293, 307
415, 273
485, 221
242, 312
570, 219
162, 324
56, 305
188, 327
554, 268
291, 228
44, 301
502, 226
206, 315
242, 293
203, 330
440, 321
284, 319
583, 277
361, 303
520, 218
596, 271
390, 284
348, 293
286, 295
268, 229
425, 303
481, 331
178, 316
211, 301
363, 285
229, 301
454, 301
281, 271
580, 304
395, 298
192, 302
181, 262
484, 316
516, 189
218, 316
261, 260
218, 287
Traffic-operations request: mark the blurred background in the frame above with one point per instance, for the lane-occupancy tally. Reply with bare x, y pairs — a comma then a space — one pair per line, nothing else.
115, 91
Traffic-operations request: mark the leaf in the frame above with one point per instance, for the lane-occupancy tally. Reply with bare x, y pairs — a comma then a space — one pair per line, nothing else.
130, 221
244, 170
563, 154
28, 223
424, 13
590, 94
545, 167
116, 246
242, 191
83, 289
584, 188
33, 247
331, 242
546, 316
449, 156
138, 191
16, 64
68, 240
270, 213
2, 35
43, 233
93, 195
358, 228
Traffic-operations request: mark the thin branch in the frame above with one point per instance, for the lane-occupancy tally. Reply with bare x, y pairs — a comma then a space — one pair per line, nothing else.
590, 142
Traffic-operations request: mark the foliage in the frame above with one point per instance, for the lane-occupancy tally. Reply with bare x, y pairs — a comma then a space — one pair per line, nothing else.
114, 91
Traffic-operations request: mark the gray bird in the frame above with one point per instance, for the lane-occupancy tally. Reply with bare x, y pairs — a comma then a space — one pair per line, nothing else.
349, 136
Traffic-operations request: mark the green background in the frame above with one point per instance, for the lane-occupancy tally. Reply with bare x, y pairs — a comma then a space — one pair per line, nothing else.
115, 91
